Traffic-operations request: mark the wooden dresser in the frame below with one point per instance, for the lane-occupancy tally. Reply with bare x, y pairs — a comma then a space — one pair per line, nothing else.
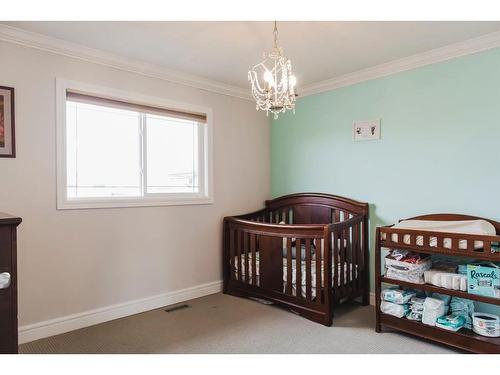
8, 283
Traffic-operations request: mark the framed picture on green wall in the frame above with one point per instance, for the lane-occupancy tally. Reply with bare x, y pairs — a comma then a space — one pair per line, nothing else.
366, 130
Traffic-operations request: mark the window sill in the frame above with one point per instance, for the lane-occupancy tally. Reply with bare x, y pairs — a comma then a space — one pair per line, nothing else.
75, 204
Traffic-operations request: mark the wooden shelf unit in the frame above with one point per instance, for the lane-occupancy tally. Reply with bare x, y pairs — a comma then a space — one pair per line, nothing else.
420, 242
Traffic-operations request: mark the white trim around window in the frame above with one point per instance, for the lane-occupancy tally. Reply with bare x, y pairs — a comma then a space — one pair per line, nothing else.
205, 141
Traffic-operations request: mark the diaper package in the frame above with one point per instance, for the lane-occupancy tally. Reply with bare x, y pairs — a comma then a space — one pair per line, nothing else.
396, 295
484, 279
394, 309
433, 309
463, 307
409, 268
417, 303
443, 297
414, 315
446, 280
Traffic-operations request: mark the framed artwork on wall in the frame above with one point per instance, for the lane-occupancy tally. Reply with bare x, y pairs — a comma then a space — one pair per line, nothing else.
7, 132
366, 130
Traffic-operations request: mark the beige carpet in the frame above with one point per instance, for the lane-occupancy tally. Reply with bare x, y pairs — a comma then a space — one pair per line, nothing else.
225, 324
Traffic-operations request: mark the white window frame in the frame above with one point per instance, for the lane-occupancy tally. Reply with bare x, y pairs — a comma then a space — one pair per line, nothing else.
149, 199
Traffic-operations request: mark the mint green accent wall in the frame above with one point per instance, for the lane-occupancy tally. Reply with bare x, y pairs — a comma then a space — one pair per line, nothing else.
439, 151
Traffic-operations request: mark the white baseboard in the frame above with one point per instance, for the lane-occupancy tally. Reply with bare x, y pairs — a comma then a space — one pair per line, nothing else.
372, 299
68, 323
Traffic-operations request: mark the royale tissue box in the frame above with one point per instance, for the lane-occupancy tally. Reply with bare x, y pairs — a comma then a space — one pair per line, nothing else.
484, 279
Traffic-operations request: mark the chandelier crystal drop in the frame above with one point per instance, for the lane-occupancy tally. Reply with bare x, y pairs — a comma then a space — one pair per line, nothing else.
273, 83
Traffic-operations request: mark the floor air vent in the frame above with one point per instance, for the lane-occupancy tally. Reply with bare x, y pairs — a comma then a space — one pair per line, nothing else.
175, 308
260, 300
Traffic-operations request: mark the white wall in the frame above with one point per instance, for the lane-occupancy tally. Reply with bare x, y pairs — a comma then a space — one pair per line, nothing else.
78, 260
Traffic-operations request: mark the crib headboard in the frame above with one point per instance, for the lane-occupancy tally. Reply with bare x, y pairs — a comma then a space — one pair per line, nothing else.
317, 208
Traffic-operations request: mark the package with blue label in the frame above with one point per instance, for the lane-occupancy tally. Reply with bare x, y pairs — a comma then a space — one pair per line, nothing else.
394, 309
396, 295
484, 279
463, 307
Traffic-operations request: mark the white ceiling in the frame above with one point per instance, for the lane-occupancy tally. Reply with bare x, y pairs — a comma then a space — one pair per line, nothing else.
224, 51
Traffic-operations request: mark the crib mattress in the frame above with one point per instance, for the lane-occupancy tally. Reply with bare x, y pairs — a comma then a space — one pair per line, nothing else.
481, 227
348, 270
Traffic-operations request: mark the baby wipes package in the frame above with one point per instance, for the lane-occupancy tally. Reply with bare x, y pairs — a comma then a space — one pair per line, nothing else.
452, 322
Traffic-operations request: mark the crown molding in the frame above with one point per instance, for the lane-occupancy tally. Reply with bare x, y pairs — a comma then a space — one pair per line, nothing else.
77, 51
451, 51
61, 47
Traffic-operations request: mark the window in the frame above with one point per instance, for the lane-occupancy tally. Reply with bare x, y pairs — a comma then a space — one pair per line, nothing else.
114, 151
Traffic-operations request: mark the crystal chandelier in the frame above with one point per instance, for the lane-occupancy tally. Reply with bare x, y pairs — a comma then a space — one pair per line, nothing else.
273, 84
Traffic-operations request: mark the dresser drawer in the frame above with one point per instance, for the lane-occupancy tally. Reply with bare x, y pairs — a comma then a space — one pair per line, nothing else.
7, 321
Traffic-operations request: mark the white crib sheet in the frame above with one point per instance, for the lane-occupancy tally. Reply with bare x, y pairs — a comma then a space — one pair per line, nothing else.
353, 269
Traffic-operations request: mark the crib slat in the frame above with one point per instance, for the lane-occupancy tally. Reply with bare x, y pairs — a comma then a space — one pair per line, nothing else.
231, 253
254, 259
298, 268
308, 269
348, 258
355, 233
342, 260
319, 259
247, 261
335, 249
337, 216
289, 266
238, 253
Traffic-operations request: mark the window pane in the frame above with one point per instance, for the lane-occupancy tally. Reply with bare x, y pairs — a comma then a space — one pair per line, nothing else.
172, 155
103, 151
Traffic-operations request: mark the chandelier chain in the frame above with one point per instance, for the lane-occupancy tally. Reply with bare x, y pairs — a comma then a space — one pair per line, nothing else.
275, 35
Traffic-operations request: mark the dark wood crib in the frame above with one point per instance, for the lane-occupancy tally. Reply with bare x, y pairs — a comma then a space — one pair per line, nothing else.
305, 252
